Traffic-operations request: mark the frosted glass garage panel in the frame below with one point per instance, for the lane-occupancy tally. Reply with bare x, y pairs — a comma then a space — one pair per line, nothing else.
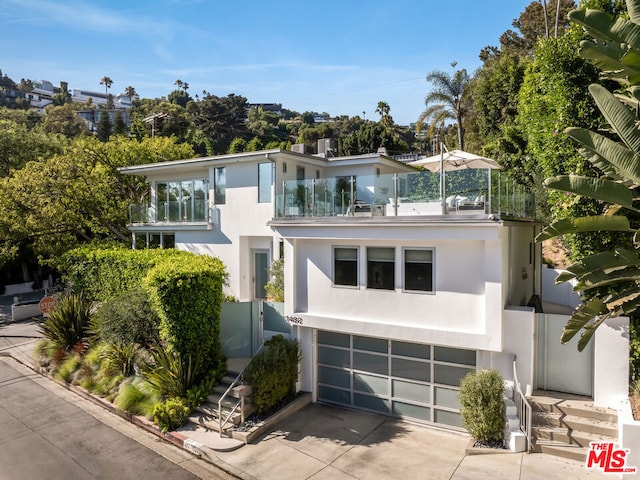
371, 384
334, 356
334, 395
448, 418
410, 369
336, 339
371, 344
371, 403
413, 411
334, 376
454, 355
415, 392
371, 363
449, 375
446, 397
406, 349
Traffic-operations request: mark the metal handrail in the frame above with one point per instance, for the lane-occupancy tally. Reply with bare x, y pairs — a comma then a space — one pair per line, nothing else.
523, 407
222, 423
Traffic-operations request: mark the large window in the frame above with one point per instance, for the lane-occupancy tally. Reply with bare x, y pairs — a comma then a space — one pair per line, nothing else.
264, 182
345, 266
220, 185
182, 201
418, 270
381, 268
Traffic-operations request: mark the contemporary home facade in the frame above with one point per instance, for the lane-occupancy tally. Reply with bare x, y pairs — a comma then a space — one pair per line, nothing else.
394, 289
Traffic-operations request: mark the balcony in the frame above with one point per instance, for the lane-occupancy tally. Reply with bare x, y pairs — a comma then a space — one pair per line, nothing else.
184, 212
469, 192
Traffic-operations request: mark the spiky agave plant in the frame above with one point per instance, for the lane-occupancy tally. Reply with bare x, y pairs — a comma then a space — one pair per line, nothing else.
68, 324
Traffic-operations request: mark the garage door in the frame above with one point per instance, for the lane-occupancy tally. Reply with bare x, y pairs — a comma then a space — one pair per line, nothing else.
403, 379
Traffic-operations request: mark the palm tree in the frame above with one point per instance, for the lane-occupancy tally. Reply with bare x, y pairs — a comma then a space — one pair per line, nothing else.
131, 93
178, 83
446, 101
107, 82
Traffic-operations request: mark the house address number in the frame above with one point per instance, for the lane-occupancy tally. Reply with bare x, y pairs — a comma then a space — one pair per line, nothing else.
296, 320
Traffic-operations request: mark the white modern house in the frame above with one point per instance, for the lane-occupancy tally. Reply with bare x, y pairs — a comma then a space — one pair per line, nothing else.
394, 289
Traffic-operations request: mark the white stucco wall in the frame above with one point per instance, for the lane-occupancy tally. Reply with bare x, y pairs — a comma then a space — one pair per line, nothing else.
611, 363
465, 310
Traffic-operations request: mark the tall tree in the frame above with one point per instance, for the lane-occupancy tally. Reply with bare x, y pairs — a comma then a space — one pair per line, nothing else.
119, 127
221, 119
447, 100
131, 93
105, 127
107, 82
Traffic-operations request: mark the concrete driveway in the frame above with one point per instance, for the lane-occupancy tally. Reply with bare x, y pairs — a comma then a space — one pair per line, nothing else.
322, 442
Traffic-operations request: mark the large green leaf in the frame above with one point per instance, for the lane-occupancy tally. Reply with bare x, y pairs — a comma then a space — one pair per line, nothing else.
600, 189
605, 261
596, 22
582, 315
594, 223
633, 8
618, 116
623, 160
600, 278
608, 58
627, 31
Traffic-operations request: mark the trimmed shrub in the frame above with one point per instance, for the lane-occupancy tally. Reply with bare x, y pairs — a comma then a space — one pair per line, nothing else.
185, 291
68, 324
127, 319
481, 405
187, 296
171, 413
272, 373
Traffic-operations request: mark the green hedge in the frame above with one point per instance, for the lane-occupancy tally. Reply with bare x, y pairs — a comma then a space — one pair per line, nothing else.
185, 290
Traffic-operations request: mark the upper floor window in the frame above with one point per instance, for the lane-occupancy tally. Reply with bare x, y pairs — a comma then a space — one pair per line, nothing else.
299, 173
418, 270
345, 266
182, 201
381, 268
220, 185
264, 182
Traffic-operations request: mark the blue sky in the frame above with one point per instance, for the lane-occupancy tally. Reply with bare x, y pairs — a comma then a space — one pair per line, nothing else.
340, 57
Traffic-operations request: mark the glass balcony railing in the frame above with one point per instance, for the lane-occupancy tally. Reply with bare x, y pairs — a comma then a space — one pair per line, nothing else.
189, 211
465, 192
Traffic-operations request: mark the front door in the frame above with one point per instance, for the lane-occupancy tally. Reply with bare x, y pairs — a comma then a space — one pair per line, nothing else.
260, 273
561, 367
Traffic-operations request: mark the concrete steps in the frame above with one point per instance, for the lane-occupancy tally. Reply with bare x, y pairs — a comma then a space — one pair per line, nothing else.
563, 425
205, 415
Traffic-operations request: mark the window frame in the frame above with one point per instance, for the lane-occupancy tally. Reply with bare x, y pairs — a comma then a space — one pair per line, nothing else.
333, 266
393, 248
219, 188
261, 178
433, 270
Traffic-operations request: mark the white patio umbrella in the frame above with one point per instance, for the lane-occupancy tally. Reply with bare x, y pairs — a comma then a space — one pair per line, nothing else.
447, 161
455, 160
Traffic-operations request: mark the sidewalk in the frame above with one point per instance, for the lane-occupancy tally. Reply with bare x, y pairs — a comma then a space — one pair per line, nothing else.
322, 442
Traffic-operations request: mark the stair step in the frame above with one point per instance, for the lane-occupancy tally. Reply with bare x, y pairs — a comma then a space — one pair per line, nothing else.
212, 410
572, 422
578, 406
559, 449
229, 379
573, 437
207, 421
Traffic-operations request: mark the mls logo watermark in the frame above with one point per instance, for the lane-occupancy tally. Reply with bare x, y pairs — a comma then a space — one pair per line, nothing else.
604, 456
